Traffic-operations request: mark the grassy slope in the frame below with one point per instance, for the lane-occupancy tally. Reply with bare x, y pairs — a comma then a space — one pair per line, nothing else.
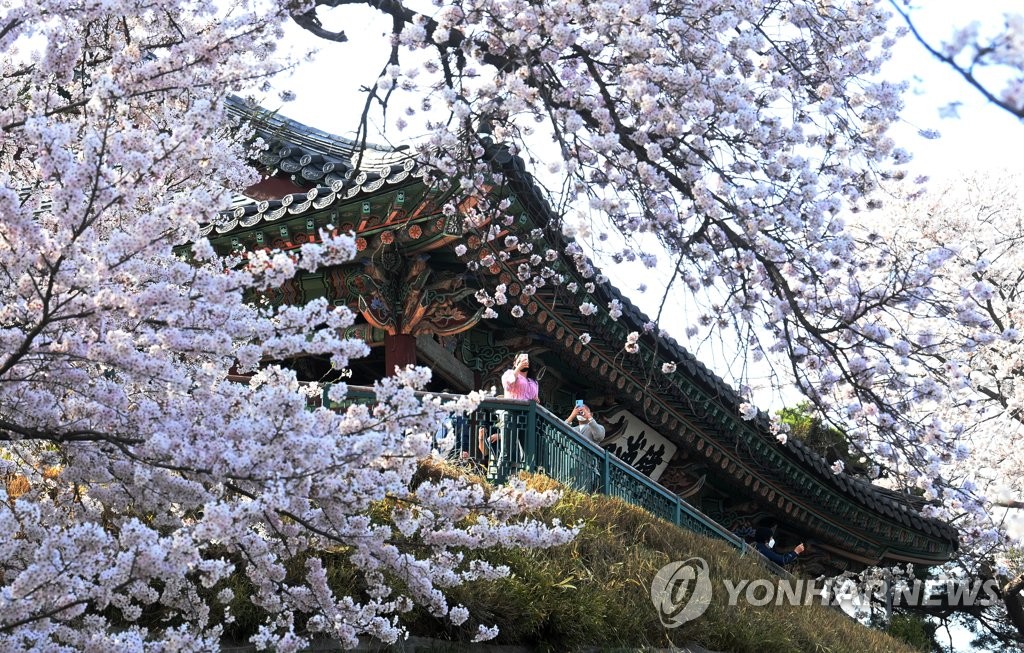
595, 592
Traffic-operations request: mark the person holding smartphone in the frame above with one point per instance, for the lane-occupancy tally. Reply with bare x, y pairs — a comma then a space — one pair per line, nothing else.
585, 423
517, 382
764, 542
517, 385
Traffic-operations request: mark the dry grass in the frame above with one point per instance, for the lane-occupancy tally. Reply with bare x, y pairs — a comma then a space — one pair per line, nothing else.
596, 592
17, 485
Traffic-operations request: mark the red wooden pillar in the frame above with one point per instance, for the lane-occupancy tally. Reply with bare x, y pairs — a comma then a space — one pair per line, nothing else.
399, 350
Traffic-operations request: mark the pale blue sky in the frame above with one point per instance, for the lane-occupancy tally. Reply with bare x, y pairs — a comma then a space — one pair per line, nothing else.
981, 136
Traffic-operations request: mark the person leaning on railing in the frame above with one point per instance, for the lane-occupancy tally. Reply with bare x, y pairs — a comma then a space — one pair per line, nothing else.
586, 424
483, 438
456, 427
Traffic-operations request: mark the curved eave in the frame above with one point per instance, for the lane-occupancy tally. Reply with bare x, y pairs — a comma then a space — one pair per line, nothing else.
755, 465
272, 126
248, 213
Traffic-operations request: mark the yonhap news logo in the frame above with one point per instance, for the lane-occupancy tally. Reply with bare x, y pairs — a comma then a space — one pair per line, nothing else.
681, 591
849, 593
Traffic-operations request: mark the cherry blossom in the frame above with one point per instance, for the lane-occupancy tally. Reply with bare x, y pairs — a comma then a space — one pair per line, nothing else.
148, 477
742, 137
748, 411
748, 140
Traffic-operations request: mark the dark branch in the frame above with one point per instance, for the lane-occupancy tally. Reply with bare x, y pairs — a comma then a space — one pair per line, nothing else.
964, 72
8, 429
309, 22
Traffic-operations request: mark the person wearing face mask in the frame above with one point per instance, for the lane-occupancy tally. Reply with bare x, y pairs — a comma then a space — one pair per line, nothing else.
764, 543
585, 423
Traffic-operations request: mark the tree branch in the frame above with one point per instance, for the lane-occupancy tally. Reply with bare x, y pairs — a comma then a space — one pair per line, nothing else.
309, 22
948, 60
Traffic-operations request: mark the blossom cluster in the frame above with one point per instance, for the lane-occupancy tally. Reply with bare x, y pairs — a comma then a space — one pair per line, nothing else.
144, 477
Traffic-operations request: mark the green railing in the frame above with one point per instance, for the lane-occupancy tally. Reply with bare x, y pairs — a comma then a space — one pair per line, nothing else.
507, 436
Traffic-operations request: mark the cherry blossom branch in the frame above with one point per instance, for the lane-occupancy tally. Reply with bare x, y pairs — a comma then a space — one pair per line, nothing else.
80, 435
966, 73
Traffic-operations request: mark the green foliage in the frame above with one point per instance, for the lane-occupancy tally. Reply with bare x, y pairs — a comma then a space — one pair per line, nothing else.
596, 592
822, 438
914, 630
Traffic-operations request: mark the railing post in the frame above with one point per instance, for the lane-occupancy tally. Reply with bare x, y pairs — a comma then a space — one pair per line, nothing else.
606, 474
532, 440
677, 512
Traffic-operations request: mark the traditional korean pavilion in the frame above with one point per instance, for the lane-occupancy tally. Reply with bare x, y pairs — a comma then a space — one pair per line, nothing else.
413, 286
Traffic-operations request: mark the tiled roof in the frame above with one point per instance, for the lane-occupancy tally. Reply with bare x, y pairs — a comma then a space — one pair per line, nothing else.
878, 499
311, 157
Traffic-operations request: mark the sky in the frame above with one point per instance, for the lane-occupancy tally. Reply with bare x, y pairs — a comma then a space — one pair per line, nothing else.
980, 136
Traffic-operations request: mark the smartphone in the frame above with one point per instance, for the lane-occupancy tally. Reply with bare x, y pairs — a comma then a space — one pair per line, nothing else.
579, 403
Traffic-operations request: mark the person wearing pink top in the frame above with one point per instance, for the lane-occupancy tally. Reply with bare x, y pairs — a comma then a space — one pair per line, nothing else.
517, 385
515, 381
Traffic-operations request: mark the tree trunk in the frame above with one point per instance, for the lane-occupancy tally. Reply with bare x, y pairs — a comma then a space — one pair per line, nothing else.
1015, 602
